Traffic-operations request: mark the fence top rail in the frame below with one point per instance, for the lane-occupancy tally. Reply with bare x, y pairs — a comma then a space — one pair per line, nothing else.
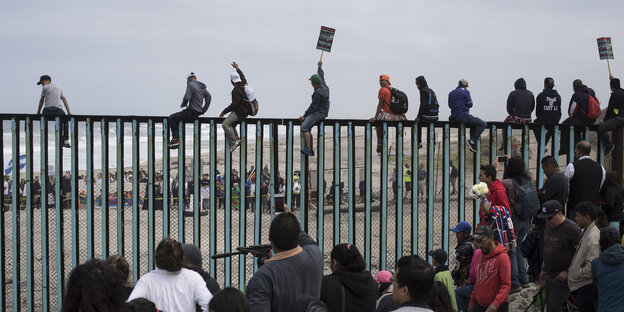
268, 121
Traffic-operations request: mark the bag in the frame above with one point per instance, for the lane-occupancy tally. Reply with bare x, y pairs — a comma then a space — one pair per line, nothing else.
593, 108
252, 102
398, 101
526, 194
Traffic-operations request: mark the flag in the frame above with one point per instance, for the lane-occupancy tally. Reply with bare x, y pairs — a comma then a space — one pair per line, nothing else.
22, 164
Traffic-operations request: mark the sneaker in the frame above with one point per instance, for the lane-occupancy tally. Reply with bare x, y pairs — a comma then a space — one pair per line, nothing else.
471, 145
514, 290
307, 151
419, 145
379, 147
235, 146
174, 144
525, 285
608, 149
66, 144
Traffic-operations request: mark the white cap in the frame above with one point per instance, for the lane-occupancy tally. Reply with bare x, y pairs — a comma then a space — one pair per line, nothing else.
235, 77
463, 82
192, 74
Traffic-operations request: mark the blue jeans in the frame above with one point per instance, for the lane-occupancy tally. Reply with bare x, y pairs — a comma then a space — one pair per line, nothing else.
311, 120
475, 124
462, 296
186, 115
518, 265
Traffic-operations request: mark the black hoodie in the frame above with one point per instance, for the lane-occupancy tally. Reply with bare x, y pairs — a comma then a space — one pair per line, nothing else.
428, 101
520, 102
360, 291
548, 110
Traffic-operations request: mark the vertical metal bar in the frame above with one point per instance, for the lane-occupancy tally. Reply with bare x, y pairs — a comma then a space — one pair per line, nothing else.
150, 190
136, 261
120, 187
494, 147
28, 190
181, 182
476, 170
430, 186
289, 164
445, 186
320, 194
273, 165
461, 169
368, 164
105, 188
305, 190
60, 242
242, 210
228, 212
414, 208
258, 198
352, 182
166, 185
599, 146
383, 204
337, 190
541, 152
89, 180
555, 141
45, 253
75, 200
213, 196
507, 142
196, 182
571, 139
398, 233
15, 129
3, 238
525, 145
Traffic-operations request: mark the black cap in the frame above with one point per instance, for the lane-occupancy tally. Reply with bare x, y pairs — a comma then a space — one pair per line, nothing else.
44, 77
483, 231
439, 255
549, 209
549, 83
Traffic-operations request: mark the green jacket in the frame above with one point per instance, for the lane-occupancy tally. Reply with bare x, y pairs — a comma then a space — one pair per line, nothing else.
443, 275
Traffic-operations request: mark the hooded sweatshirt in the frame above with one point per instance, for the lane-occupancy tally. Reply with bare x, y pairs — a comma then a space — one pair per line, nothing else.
428, 101
460, 102
548, 109
497, 196
360, 291
195, 96
579, 105
493, 278
616, 104
521, 101
239, 98
607, 272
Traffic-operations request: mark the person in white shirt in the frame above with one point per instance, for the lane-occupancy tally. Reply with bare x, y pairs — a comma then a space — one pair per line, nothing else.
51, 97
171, 287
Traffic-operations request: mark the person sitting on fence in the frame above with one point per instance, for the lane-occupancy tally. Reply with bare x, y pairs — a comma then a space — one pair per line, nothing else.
412, 284
547, 110
384, 112
349, 287
520, 106
239, 108
318, 109
123, 268
51, 97
295, 269
442, 273
614, 118
429, 107
93, 286
170, 286
193, 261
459, 102
195, 95
229, 299
578, 111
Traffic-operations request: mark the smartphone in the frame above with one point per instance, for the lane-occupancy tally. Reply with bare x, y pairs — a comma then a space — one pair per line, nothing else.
502, 158
279, 203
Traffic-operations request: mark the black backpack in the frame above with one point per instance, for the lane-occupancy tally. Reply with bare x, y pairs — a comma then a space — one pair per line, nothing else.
527, 195
398, 101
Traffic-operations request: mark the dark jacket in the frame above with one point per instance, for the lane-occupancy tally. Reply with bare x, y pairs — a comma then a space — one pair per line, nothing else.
616, 104
607, 272
320, 97
548, 109
239, 98
613, 203
521, 101
579, 105
463, 256
428, 100
459, 102
360, 291
196, 95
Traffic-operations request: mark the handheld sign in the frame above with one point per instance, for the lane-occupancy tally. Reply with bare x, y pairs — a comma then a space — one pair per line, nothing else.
605, 50
325, 40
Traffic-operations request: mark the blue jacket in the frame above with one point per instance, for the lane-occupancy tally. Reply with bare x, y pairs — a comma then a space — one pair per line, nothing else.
607, 272
459, 103
320, 97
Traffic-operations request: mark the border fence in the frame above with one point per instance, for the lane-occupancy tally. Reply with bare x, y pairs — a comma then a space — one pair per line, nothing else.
119, 189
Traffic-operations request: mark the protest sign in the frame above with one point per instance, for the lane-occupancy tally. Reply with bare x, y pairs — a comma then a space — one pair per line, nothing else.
326, 37
605, 50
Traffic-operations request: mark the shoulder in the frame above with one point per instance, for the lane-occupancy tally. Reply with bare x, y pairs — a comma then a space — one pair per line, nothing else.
385, 90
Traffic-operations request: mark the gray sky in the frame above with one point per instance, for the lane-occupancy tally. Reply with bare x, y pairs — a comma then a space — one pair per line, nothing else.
131, 57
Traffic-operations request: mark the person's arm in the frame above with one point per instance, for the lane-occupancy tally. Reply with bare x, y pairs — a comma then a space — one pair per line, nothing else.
139, 291
504, 269
604, 176
240, 73
539, 109
510, 105
201, 293
424, 98
187, 95
66, 105
593, 252
40, 105
259, 293
320, 72
468, 99
569, 171
227, 110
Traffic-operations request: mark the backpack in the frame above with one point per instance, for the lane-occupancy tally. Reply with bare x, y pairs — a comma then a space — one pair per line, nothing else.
398, 101
526, 194
593, 107
251, 104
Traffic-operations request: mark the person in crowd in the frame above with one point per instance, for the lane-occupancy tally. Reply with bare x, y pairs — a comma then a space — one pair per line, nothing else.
395, 183
412, 283
193, 261
614, 118
579, 271
307, 303
384, 286
612, 199
497, 195
493, 274
586, 178
229, 299
429, 107
561, 237
463, 252
93, 286
238, 109
123, 269
296, 190
547, 110
439, 298
295, 269
460, 104
139, 305
51, 97
318, 110
196, 95
464, 291
453, 175
170, 286
556, 185
383, 112
578, 112
349, 287
407, 178
520, 106
422, 181
442, 274
607, 271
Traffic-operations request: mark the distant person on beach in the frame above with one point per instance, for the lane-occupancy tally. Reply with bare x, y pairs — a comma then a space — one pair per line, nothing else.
520, 106
407, 178
318, 109
547, 110
51, 97
460, 104
384, 112
453, 174
428, 111
422, 181
238, 109
195, 95
578, 111
614, 118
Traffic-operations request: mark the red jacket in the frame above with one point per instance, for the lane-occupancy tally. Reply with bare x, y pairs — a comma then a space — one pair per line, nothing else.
493, 278
497, 196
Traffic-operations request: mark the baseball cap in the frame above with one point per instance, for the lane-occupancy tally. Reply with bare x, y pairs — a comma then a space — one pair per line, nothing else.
235, 77
439, 255
483, 231
462, 226
383, 277
463, 82
44, 77
192, 74
385, 77
549, 209
549, 82
316, 79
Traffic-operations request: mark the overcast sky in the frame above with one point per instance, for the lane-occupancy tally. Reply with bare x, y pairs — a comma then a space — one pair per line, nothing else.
132, 57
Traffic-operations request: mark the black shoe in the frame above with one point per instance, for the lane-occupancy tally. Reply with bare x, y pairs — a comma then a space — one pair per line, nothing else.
419, 145
379, 147
471, 145
174, 144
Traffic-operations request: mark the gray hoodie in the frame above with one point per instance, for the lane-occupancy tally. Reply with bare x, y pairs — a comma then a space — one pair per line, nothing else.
195, 95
